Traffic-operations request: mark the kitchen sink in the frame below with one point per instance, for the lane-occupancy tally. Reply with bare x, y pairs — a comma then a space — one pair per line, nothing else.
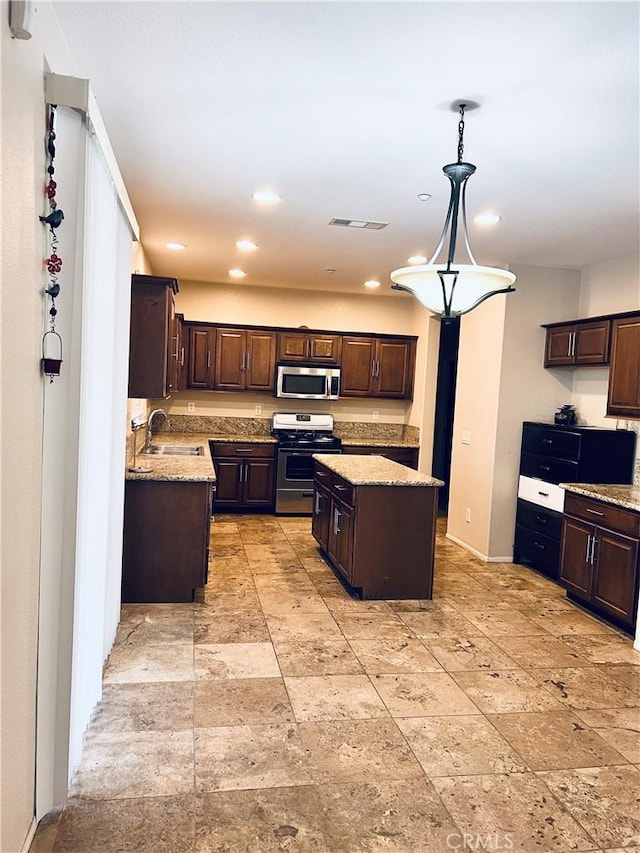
176, 450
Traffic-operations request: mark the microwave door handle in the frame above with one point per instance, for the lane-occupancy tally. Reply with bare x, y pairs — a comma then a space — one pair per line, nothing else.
327, 386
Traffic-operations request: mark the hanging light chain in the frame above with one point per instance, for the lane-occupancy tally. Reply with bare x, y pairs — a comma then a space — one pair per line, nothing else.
461, 133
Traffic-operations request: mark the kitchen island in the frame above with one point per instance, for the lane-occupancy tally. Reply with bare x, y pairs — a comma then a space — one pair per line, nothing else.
167, 512
375, 521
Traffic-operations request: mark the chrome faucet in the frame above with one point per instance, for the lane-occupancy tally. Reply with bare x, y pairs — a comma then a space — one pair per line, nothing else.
147, 441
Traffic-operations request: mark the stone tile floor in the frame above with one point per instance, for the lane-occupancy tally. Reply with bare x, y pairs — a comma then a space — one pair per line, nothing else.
280, 713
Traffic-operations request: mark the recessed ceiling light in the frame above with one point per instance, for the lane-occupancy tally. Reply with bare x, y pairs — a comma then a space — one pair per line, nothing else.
487, 219
372, 283
236, 273
417, 259
266, 196
424, 196
176, 246
246, 245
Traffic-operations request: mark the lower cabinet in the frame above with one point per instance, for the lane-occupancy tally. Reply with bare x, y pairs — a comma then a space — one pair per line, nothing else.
166, 540
537, 538
404, 455
599, 560
380, 538
245, 475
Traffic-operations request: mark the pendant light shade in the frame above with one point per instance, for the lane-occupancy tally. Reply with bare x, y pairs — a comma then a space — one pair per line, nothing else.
449, 289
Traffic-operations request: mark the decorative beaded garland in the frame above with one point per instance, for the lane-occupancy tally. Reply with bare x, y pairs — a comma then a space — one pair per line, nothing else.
53, 264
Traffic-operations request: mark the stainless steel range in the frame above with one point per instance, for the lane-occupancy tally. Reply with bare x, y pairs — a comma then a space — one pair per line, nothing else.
299, 437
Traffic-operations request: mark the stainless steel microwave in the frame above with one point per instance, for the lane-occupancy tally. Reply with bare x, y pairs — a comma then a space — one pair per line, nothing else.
307, 382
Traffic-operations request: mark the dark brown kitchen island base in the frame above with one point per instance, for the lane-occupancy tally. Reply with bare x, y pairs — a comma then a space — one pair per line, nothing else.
166, 540
379, 535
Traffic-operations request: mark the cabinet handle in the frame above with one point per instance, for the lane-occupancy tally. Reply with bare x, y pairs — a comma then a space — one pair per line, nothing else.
246, 364
244, 450
307, 348
544, 494
538, 546
182, 357
547, 441
316, 508
542, 519
377, 369
175, 354
593, 511
544, 468
593, 550
341, 488
573, 344
338, 516
208, 359
587, 555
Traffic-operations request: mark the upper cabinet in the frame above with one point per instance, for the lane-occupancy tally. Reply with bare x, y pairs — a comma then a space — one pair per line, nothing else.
153, 345
579, 343
245, 360
202, 343
309, 347
377, 367
624, 379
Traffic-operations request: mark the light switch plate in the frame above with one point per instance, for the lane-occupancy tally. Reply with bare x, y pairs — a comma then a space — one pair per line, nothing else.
465, 437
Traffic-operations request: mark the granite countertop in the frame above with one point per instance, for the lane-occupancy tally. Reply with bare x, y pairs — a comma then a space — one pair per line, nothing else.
374, 471
625, 496
195, 469
379, 442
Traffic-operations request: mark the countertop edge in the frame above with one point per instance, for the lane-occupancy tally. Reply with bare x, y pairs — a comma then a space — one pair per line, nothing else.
626, 496
373, 470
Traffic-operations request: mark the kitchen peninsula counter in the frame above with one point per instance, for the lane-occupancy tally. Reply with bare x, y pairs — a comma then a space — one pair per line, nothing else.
619, 495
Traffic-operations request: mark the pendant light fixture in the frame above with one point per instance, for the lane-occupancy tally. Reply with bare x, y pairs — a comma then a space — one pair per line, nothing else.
450, 289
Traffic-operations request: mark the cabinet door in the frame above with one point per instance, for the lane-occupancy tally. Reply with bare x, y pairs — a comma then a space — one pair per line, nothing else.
228, 372
201, 353
173, 353
357, 367
260, 360
258, 482
321, 514
150, 335
624, 377
394, 369
293, 346
614, 577
325, 348
182, 333
559, 346
575, 567
591, 344
230, 475
339, 537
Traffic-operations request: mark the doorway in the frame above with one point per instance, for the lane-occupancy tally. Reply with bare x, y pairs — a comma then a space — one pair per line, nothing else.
445, 406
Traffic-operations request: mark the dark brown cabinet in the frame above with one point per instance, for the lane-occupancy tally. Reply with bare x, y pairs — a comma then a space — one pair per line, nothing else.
166, 540
181, 349
202, 344
624, 378
309, 347
245, 475
152, 337
599, 562
377, 367
380, 538
245, 360
575, 344
403, 455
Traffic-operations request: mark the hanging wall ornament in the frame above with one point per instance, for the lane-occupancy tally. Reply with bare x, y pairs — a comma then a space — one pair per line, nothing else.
53, 264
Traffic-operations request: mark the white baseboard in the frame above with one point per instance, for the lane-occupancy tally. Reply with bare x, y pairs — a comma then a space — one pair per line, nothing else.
478, 554
30, 836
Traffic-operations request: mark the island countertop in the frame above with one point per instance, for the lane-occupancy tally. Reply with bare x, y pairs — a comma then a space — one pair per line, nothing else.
195, 469
620, 495
374, 471
380, 442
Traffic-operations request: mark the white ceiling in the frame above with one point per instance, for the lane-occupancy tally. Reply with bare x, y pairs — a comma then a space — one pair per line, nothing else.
344, 109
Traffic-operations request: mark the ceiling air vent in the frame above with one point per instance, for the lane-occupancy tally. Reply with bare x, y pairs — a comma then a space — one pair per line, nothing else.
359, 223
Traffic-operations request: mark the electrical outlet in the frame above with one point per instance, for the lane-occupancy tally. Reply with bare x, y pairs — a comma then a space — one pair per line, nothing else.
467, 515
376, 414
191, 407
258, 410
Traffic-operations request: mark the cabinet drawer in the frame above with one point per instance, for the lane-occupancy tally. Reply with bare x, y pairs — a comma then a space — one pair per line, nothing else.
539, 519
242, 451
343, 491
543, 494
539, 550
323, 477
546, 441
603, 514
547, 468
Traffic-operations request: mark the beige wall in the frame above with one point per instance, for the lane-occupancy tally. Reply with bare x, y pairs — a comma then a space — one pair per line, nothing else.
22, 312
501, 383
